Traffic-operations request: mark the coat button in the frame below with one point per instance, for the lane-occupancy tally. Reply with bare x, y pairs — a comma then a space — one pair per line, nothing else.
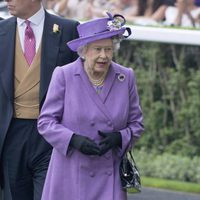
92, 123
92, 174
109, 123
107, 156
92, 156
109, 173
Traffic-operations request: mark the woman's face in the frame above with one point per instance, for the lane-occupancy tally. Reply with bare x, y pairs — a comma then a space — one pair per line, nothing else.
98, 55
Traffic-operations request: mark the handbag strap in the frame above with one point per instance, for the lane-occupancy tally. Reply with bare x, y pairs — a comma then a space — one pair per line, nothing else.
131, 155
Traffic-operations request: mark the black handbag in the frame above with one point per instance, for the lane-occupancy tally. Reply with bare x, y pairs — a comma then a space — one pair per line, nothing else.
129, 174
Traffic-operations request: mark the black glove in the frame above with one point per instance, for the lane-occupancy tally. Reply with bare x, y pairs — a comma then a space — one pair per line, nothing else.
84, 144
110, 141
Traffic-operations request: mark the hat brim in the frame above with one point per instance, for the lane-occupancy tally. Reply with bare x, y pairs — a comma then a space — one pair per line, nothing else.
75, 44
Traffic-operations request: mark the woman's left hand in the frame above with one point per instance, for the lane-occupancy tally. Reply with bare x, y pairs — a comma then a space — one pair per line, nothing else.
109, 141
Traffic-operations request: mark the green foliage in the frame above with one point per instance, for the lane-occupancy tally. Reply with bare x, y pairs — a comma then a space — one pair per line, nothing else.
168, 79
168, 166
170, 185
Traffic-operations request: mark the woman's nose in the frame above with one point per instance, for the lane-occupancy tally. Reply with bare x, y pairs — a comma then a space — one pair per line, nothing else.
103, 53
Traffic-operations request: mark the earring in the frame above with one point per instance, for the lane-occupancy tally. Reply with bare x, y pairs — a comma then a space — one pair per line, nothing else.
83, 58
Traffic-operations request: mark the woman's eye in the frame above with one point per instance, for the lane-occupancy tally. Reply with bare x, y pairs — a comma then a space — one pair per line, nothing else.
97, 49
108, 49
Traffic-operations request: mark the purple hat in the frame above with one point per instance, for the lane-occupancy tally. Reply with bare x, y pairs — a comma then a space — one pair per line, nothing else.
98, 29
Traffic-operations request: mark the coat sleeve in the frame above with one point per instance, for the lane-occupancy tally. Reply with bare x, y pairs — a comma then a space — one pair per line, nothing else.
49, 122
134, 128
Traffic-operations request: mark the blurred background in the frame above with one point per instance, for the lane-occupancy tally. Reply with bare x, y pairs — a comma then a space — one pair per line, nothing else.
143, 12
168, 78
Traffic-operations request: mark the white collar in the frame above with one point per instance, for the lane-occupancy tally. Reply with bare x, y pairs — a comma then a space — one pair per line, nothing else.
35, 19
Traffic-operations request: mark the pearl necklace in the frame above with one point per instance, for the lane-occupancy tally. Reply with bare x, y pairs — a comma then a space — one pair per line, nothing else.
96, 82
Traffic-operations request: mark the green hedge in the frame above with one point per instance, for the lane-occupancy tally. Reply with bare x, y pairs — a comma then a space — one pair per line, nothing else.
168, 166
170, 185
168, 79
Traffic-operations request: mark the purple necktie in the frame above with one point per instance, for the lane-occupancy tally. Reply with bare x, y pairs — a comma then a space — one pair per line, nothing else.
29, 43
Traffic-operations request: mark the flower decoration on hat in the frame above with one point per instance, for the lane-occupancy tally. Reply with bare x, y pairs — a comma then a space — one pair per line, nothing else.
56, 28
115, 22
100, 28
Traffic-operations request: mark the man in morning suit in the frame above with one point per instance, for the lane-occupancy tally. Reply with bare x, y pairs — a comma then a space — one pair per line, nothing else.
33, 43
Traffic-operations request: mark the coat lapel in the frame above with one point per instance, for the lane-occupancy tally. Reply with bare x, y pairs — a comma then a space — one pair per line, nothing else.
50, 49
108, 84
99, 100
7, 50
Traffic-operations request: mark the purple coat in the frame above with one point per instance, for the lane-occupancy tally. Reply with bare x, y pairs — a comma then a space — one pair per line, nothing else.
73, 106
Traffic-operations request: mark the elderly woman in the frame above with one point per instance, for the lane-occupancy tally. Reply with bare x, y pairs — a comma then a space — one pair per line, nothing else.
91, 116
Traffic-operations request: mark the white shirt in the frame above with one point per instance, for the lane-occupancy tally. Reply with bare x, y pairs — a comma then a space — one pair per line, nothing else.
36, 23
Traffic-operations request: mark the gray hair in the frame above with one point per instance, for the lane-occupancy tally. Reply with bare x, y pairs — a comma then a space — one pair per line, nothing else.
82, 50
116, 42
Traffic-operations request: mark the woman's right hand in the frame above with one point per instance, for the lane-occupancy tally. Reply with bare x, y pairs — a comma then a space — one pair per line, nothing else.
84, 144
